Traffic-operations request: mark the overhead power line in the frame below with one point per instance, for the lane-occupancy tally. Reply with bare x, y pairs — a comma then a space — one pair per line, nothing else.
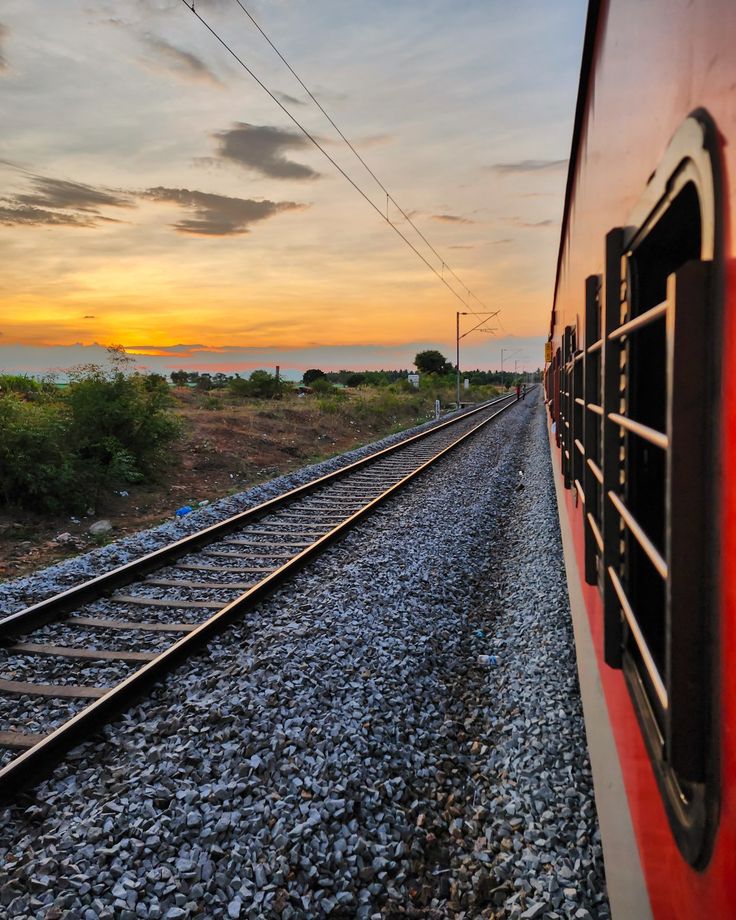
389, 196
440, 275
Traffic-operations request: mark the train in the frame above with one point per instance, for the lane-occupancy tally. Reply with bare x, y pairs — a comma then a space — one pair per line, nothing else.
641, 396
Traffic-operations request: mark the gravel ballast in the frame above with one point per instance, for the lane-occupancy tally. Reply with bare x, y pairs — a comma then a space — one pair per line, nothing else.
397, 732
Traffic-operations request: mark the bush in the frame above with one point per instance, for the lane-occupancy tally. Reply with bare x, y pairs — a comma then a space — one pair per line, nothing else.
58, 454
120, 427
260, 385
314, 373
323, 386
264, 385
239, 387
36, 459
25, 386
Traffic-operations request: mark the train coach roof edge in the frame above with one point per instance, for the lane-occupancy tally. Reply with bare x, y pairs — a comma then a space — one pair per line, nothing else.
595, 8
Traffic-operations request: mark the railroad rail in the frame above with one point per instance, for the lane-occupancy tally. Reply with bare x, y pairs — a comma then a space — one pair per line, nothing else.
175, 598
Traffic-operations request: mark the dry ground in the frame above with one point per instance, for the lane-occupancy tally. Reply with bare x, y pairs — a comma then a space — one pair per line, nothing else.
226, 447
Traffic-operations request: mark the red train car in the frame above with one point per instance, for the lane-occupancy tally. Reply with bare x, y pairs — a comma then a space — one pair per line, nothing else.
642, 397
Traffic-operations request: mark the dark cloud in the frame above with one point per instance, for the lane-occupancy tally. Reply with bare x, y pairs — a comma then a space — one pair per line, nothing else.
218, 215
528, 166
13, 215
89, 317
530, 224
166, 348
261, 147
289, 100
4, 31
62, 194
176, 61
59, 203
451, 219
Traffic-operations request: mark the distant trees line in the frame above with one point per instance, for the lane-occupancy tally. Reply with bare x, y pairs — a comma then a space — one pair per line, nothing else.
263, 384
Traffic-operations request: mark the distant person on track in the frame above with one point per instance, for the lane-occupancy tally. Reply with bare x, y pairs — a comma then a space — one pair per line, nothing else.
523, 392
518, 390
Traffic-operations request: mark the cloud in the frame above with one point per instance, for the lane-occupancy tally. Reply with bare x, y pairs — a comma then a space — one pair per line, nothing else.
459, 246
289, 100
451, 219
175, 61
4, 32
218, 215
89, 317
530, 224
14, 215
59, 202
261, 147
506, 239
62, 194
528, 166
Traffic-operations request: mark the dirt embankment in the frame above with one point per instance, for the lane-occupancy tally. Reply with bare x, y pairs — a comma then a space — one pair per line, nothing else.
226, 446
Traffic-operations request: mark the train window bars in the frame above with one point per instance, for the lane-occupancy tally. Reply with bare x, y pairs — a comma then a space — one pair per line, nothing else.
592, 412
565, 424
658, 472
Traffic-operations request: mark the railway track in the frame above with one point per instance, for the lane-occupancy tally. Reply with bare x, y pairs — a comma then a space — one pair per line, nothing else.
74, 660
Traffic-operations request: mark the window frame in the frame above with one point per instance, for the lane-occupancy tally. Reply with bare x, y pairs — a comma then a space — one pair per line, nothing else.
677, 709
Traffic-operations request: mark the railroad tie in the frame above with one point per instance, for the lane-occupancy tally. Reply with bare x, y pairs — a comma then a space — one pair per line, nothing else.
20, 740
183, 583
236, 542
165, 602
276, 533
62, 651
62, 691
218, 552
96, 623
233, 569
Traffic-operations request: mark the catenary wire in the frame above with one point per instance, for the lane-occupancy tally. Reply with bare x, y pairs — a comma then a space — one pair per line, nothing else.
389, 196
190, 6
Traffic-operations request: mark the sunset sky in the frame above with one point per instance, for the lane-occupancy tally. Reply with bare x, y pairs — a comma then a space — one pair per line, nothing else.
153, 195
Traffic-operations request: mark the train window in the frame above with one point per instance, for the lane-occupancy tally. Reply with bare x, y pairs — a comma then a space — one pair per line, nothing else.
659, 472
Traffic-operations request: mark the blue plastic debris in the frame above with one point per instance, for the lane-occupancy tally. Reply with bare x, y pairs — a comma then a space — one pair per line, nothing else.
488, 661
185, 509
479, 633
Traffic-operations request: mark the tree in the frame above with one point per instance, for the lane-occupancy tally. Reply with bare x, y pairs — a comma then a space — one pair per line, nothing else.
432, 362
260, 385
355, 380
311, 375
323, 386
179, 378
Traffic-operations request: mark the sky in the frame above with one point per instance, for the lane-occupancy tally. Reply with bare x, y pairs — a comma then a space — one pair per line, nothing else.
153, 195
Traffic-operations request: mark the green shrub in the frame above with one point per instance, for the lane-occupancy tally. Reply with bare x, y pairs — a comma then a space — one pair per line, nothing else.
18, 383
330, 404
57, 454
322, 386
239, 387
36, 457
120, 427
260, 385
